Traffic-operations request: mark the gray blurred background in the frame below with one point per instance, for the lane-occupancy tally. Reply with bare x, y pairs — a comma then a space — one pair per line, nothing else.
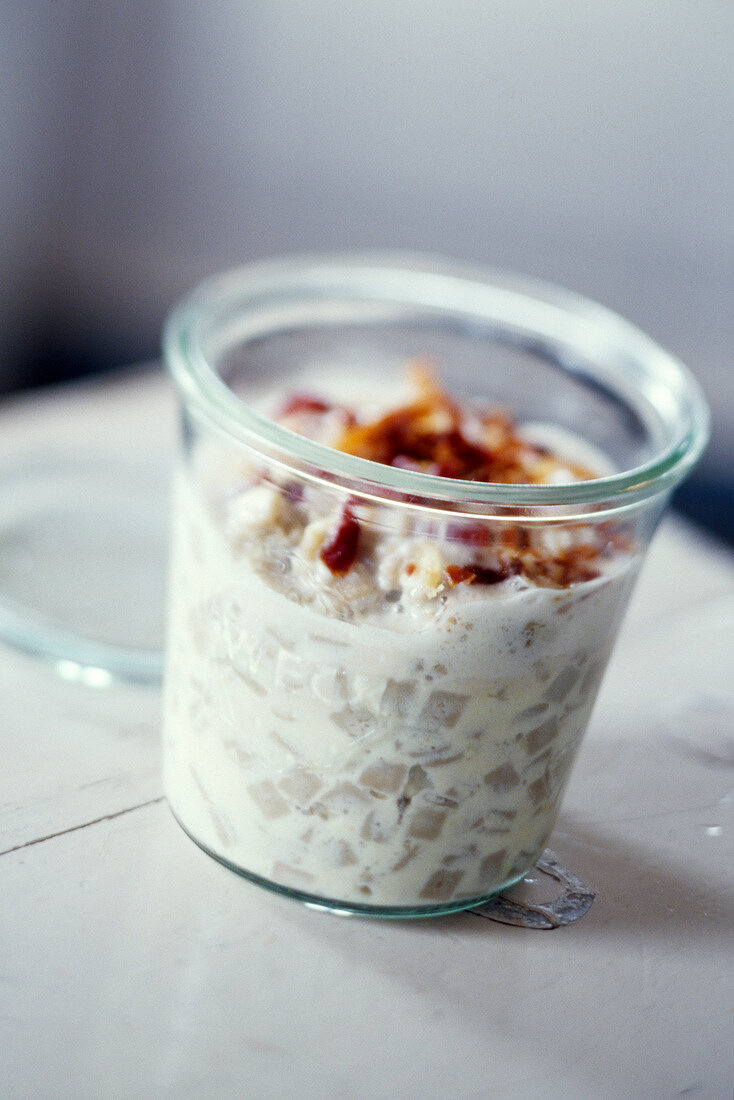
145, 145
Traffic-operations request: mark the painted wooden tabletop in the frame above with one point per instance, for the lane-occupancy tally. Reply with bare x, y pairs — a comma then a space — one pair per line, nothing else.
131, 965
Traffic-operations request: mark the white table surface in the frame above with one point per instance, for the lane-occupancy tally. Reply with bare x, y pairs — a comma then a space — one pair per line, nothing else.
131, 965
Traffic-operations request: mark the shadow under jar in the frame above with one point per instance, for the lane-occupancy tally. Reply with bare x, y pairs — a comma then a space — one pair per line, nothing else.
387, 738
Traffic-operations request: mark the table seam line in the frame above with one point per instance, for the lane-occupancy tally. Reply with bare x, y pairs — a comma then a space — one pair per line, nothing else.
83, 825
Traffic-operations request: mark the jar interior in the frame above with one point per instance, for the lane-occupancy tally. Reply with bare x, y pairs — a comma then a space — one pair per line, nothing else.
308, 345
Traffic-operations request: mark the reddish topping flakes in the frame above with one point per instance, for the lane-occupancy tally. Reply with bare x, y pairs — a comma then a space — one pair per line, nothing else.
435, 435
459, 574
481, 574
340, 549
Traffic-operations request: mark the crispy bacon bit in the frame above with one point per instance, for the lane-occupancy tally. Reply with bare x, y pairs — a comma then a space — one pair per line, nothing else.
459, 574
433, 434
303, 403
481, 574
339, 552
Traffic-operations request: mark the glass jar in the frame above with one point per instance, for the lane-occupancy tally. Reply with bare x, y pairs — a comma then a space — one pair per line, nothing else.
388, 739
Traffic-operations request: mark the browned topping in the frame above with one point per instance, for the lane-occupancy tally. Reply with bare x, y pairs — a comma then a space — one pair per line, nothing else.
559, 571
434, 434
458, 574
430, 435
481, 574
340, 550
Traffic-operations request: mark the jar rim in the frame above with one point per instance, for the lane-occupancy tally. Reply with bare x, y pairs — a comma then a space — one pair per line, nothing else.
515, 304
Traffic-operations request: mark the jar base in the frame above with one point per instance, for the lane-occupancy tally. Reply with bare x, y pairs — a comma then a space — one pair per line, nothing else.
357, 909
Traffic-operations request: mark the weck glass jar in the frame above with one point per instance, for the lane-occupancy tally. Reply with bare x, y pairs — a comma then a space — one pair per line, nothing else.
377, 674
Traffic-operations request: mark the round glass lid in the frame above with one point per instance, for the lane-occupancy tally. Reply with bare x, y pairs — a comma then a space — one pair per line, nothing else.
84, 473
83, 541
